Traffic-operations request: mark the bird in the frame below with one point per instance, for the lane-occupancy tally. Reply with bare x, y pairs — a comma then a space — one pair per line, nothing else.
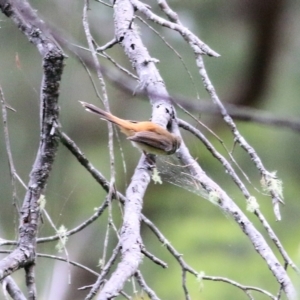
147, 136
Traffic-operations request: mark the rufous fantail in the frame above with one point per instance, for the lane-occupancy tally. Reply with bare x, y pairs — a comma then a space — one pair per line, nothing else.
147, 136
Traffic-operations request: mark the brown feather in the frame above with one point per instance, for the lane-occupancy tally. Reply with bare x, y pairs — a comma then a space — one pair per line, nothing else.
148, 136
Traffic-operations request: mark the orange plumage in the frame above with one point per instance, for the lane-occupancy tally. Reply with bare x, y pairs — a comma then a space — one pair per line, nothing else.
147, 136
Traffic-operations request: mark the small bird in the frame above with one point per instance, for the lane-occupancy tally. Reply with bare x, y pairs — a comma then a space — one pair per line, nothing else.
147, 136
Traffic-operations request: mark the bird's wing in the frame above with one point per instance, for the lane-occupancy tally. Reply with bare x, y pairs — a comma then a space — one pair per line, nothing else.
152, 139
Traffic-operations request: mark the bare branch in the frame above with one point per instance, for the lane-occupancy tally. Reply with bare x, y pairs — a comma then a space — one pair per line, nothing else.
154, 258
183, 154
184, 286
110, 44
111, 281
195, 43
104, 93
80, 227
130, 233
104, 183
175, 52
130, 240
104, 272
185, 267
141, 281
242, 187
229, 207
67, 261
30, 282
154, 86
12, 288
266, 175
8, 149
240, 113
43, 255
171, 14
237, 112
246, 289
27, 21
150, 80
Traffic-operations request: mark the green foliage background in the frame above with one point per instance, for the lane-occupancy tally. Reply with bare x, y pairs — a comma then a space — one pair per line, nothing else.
209, 241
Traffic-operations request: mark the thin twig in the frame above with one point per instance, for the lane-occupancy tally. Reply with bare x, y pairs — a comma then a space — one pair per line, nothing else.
154, 258
8, 149
196, 44
241, 113
184, 286
276, 198
91, 45
104, 183
90, 76
90, 40
186, 267
104, 3
141, 281
230, 171
71, 262
104, 272
78, 228
109, 58
55, 257
62, 238
72, 147
176, 53
108, 45
171, 14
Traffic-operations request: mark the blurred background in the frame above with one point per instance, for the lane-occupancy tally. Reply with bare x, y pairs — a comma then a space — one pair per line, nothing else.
259, 44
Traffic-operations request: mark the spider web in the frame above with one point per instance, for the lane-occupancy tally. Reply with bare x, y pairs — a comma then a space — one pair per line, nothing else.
171, 170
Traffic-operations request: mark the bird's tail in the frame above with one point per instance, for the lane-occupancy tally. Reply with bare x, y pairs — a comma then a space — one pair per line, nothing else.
126, 126
94, 109
98, 111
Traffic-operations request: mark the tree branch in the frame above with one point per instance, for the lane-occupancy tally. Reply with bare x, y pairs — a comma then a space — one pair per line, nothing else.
27, 21
266, 175
12, 288
198, 46
162, 111
230, 208
104, 183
